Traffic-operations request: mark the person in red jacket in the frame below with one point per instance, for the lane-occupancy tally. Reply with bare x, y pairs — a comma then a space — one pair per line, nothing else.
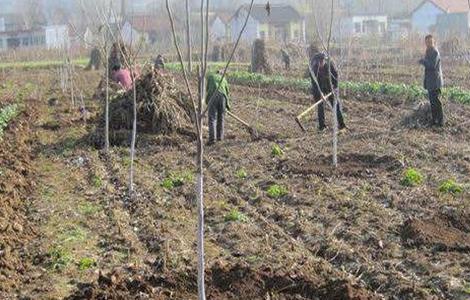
123, 77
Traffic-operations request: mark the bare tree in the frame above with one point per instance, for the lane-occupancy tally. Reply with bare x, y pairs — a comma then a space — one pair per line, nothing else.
188, 37
199, 113
326, 47
97, 17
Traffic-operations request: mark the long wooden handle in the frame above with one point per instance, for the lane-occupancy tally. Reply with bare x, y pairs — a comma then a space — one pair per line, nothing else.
238, 119
303, 114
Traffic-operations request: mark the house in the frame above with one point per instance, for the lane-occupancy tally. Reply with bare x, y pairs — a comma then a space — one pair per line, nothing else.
57, 36
283, 24
21, 39
399, 28
424, 17
453, 25
13, 34
361, 25
220, 29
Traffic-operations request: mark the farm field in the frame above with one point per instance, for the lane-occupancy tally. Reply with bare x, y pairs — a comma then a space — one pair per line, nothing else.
391, 222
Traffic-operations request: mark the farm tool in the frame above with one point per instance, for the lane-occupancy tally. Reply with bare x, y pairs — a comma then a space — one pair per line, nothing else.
251, 130
308, 110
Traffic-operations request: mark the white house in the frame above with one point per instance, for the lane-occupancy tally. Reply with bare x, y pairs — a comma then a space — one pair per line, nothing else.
361, 25
424, 17
220, 27
284, 24
57, 37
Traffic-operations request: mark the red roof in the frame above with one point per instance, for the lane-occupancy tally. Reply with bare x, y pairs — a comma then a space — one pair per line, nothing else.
452, 6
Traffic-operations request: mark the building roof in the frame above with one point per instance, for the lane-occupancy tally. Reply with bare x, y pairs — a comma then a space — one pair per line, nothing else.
279, 13
448, 6
223, 16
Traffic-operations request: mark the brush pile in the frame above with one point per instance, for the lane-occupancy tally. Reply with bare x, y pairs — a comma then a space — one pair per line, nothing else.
259, 59
161, 109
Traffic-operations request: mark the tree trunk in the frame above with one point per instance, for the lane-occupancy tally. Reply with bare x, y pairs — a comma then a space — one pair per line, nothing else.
188, 37
200, 222
134, 136
106, 117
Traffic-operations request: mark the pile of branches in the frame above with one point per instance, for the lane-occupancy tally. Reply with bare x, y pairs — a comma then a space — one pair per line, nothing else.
259, 58
161, 109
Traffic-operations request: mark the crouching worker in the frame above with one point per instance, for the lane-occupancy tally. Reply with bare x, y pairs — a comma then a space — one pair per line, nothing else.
122, 76
159, 62
321, 66
217, 98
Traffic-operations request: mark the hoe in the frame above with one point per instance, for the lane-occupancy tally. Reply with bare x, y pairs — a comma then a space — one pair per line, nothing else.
297, 119
252, 130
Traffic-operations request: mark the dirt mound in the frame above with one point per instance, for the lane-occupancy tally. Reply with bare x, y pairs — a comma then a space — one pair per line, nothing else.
161, 109
349, 165
16, 185
240, 281
118, 284
440, 233
345, 290
420, 117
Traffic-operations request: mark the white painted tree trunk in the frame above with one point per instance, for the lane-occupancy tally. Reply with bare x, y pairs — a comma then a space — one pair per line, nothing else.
106, 117
134, 136
188, 37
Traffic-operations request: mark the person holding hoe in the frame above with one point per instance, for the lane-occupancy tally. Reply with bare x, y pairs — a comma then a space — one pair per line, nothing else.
218, 99
433, 80
323, 84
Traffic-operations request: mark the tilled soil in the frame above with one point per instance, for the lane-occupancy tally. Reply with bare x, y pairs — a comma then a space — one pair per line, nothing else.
16, 186
351, 232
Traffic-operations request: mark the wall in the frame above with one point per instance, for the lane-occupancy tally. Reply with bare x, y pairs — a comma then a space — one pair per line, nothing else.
296, 26
218, 29
453, 25
424, 19
252, 30
57, 37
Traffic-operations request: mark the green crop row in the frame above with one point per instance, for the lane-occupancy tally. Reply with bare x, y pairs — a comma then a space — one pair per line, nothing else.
41, 64
7, 114
409, 92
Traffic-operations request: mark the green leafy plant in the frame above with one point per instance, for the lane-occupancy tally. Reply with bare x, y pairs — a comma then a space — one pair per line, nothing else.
466, 289
7, 114
177, 179
241, 174
96, 181
277, 151
89, 209
59, 258
451, 187
276, 191
412, 177
235, 216
86, 263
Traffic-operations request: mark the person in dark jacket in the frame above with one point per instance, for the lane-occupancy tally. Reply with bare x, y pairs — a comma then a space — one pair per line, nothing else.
285, 59
159, 62
218, 99
433, 81
95, 59
321, 67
